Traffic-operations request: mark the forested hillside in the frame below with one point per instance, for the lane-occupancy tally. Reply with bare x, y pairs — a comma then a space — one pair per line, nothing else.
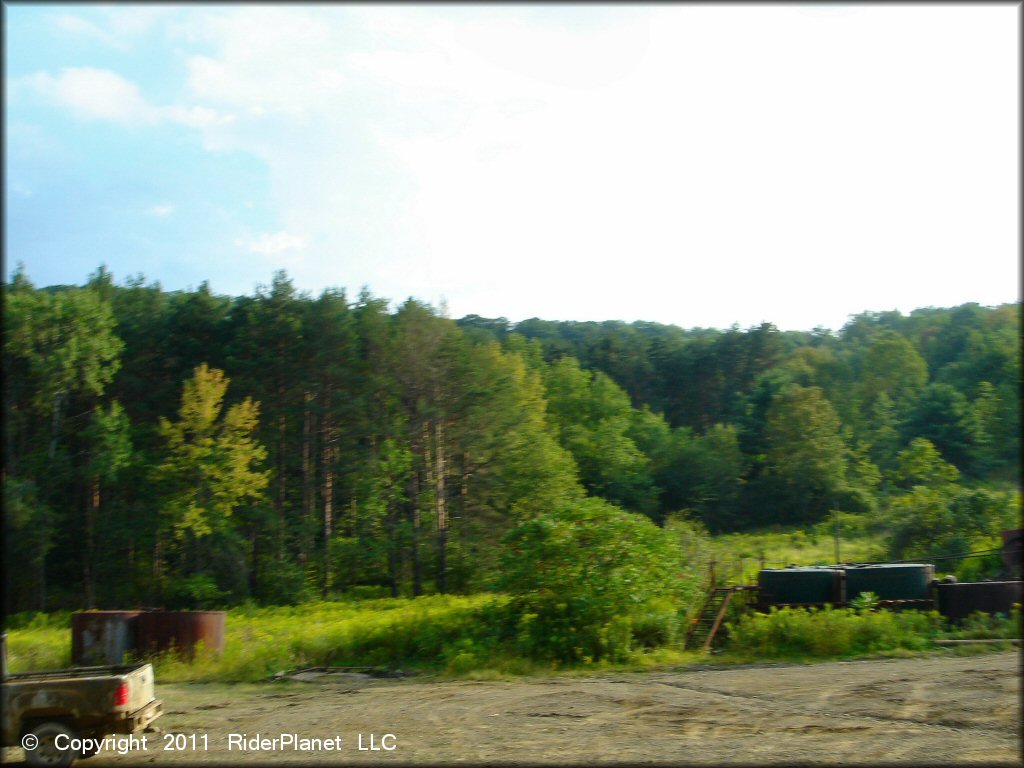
189, 449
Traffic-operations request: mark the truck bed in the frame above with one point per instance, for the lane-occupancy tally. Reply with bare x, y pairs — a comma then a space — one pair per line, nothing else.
74, 673
108, 699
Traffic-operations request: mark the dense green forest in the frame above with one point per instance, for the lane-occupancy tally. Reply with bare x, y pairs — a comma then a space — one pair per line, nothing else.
188, 449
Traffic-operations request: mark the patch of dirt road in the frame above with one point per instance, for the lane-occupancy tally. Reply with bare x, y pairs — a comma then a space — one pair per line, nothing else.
927, 711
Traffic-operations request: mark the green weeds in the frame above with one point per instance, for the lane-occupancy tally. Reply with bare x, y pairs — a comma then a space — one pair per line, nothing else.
480, 637
984, 626
472, 637
739, 555
419, 633
831, 633
42, 646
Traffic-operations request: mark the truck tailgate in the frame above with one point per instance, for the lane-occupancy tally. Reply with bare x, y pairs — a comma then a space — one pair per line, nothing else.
140, 687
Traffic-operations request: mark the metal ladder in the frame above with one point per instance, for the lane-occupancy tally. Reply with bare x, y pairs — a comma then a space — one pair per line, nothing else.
702, 632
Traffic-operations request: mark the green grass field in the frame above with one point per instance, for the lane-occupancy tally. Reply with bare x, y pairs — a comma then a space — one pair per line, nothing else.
739, 555
418, 633
436, 635
41, 645
456, 635
439, 634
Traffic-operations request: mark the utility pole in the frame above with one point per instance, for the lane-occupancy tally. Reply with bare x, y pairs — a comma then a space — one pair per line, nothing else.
836, 513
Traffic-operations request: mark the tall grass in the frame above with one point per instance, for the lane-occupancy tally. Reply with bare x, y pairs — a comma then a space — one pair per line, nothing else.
40, 647
802, 632
983, 626
739, 556
421, 632
458, 635
469, 636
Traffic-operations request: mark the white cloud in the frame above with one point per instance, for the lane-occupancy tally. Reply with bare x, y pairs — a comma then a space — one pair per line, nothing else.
270, 60
691, 164
136, 20
195, 117
77, 26
361, 114
271, 244
95, 94
118, 27
100, 94
725, 168
164, 209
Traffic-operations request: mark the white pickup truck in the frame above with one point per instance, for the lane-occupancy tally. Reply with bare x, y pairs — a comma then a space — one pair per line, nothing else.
62, 715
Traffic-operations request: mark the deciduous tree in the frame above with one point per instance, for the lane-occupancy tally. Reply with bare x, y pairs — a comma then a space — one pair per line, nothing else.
211, 465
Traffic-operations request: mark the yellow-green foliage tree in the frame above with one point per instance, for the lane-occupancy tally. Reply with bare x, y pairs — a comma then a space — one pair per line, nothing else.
211, 468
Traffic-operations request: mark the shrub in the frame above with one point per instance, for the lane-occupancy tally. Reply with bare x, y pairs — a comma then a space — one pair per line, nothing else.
281, 583
367, 592
198, 591
985, 626
657, 624
831, 632
578, 576
864, 602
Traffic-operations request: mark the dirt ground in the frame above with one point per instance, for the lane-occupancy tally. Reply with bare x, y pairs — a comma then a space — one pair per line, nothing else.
925, 711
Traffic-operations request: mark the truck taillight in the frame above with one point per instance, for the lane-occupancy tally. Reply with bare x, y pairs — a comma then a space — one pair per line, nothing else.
121, 696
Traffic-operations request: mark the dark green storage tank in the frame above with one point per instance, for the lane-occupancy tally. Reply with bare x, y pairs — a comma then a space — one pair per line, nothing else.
780, 586
896, 581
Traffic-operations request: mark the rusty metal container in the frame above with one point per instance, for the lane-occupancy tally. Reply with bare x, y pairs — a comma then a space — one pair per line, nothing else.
958, 601
102, 637
182, 631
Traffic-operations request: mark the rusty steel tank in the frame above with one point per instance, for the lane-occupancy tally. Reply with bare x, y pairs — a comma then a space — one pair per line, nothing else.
181, 631
958, 601
102, 637
1013, 546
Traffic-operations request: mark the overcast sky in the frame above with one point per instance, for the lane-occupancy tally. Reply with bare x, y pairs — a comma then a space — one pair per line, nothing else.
688, 164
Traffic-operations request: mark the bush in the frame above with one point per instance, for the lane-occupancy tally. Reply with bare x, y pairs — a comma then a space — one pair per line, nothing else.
367, 592
282, 583
657, 625
697, 549
198, 591
794, 632
864, 602
985, 626
580, 575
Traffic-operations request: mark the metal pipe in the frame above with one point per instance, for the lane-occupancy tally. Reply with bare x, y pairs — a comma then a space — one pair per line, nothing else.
1014, 640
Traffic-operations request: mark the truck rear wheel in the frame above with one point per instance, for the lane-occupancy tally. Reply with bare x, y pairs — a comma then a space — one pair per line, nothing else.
91, 748
46, 754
